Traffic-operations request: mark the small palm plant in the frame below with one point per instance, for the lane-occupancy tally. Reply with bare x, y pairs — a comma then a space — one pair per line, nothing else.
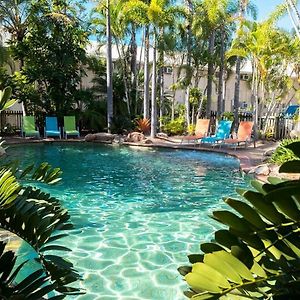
258, 255
143, 125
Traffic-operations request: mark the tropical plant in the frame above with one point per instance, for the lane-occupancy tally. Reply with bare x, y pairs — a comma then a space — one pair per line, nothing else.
143, 125
39, 220
282, 154
175, 127
5, 101
257, 256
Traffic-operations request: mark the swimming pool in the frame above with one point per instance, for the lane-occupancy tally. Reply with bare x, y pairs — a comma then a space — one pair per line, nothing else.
138, 212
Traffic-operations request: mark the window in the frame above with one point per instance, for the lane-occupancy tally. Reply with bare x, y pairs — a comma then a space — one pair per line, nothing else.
245, 77
168, 70
243, 105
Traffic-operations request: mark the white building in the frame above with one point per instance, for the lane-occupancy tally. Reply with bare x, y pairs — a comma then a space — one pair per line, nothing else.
171, 76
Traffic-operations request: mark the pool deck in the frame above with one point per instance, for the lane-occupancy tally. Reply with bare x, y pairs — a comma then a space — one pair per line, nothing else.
249, 156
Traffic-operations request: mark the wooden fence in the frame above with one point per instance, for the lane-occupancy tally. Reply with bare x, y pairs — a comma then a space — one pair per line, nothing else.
278, 127
10, 122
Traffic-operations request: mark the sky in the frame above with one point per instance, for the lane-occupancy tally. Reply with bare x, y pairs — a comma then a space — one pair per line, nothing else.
265, 7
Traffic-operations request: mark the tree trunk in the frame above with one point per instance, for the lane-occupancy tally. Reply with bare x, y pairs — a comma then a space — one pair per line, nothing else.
146, 75
174, 93
109, 70
153, 95
210, 72
189, 5
236, 98
125, 79
161, 76
296, 23
133, 66
221, 74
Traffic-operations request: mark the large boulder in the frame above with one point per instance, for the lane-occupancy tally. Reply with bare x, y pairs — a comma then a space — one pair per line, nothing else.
261, 170
100, 137
135, 137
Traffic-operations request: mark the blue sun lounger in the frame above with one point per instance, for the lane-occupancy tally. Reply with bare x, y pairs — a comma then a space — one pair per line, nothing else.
52, 128
222, 133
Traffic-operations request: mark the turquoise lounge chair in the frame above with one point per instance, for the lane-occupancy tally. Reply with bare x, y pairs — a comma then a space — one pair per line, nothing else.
222, 133
52, 128
28, 127
70, 126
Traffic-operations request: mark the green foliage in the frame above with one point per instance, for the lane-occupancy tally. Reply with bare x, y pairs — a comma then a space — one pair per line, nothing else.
38, 219
52, 53
258, 255
282, 154
228, 116
5, 101
191, 129
175, 127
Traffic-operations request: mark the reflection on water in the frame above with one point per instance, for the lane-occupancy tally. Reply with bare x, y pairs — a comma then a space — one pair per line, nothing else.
137, 213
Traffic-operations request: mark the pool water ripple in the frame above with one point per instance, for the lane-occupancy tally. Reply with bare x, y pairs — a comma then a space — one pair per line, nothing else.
138, 214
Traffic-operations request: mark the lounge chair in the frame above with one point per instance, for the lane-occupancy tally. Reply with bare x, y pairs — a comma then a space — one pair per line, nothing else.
52, 128
28, 127
222, 133
200, 131
243, 135
70, 126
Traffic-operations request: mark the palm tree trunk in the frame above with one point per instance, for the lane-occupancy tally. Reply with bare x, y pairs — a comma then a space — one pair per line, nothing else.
146, 75
236, 97
125, 79
133, 66
221, 74
109, 70
210, 72
291, 5
189, 6
161, 77
174, 93
153, 95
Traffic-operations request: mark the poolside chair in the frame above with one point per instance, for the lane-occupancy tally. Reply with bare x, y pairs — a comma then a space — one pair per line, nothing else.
52, 128
200, 131
222, 133
28, 127
243, 135
70, 126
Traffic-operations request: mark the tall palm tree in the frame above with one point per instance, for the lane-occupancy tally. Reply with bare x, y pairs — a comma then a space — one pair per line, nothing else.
189, 8
109, 69
236, 97
146, 108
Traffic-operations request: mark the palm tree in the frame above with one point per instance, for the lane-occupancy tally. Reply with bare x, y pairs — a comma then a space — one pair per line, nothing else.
146, 109
189, 14
109, 69
294, 15
236, 97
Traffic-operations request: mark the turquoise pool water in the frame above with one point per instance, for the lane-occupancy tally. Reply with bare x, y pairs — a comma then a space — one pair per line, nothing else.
138, 213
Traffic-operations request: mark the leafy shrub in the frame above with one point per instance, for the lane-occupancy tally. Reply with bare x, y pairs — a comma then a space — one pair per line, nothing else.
191, 129
175, 127
258, 256
228, 115
283, 154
